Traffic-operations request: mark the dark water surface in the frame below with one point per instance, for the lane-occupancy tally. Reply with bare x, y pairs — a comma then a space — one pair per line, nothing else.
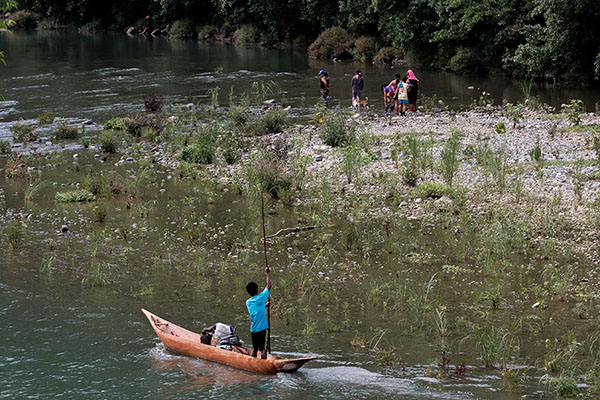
100, 76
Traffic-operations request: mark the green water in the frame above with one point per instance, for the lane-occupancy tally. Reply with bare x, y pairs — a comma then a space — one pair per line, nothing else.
66, 338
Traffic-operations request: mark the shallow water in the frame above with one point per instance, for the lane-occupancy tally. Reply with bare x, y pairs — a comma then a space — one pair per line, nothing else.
67, 339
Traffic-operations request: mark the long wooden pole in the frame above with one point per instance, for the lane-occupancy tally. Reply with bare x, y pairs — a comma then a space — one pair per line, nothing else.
262, 209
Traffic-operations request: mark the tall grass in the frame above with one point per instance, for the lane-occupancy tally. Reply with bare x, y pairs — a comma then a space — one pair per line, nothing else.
449, 155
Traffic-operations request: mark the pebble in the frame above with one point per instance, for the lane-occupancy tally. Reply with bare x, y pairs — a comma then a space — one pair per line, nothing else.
319, 158
64, 229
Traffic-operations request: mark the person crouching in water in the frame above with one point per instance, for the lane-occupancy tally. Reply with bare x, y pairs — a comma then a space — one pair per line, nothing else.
389, 93
324, 80
256, 308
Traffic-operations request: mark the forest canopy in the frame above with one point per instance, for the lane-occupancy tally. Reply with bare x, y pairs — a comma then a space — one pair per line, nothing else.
532, 38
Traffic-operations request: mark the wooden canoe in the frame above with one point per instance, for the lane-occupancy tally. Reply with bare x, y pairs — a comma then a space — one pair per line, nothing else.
182, 341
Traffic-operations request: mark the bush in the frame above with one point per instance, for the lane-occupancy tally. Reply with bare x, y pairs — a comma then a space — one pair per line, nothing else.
108, 142
23, 133
100, 213
4, 147
73, 196
115, 124
13, 234
462, 60
432, 191
64, 131
239, 115
208, 31
333, 42
134, 126
500, 128
335, 132
248, 34
574, 110
364, 48
183, 28
45, 118
410, 175
25, 19
388, 55
268, 172
201, 150
153, 103
274, 120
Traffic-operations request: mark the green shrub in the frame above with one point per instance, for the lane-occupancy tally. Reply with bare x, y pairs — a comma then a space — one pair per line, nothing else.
85, 142
239, 115
387, 55
64, 131
432, 191
269, 174
332, 42
364, 48
202, 148
23, 133
13, 234
248, 34
566, 386
336, 132
73, 196
449, 155
115, 124
45, 118
4, 147
183, 28
25, 19
230, 155
208, 32
410, 175
274, 120
150, 135
501, 127
100, 213
108, 142
574, 110
514, 113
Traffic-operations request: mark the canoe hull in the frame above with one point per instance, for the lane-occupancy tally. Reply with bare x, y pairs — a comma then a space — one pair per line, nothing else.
184, 342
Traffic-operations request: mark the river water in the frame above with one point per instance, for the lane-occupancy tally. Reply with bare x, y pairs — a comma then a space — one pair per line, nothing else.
100, 76
66, 339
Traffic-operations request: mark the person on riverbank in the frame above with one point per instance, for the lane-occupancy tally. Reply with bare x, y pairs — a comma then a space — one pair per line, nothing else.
358, 83
394, 85
404, 89
414, 89
256, 305
324, 81
389, 92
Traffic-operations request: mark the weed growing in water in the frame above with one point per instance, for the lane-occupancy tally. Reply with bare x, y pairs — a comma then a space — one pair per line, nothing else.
45, 118
13, 234
46, 264
64, 131
202, 149
4, 147
24, 133
73, 196
97, 274
494, 344
269, 174
99, 213
34, 189
262, 89
449, 155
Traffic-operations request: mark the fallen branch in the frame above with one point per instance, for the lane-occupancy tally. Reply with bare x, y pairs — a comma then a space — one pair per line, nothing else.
287, 231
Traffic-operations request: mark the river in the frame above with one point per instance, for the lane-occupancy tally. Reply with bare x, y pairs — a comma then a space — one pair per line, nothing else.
99, 76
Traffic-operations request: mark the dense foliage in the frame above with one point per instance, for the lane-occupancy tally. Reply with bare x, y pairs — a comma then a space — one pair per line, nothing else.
535, 38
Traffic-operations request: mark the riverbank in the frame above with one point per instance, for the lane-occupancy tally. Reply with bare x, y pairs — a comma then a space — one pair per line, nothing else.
464, 227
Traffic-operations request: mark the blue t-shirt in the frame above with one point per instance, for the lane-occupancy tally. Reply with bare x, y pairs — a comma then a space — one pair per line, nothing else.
257, 311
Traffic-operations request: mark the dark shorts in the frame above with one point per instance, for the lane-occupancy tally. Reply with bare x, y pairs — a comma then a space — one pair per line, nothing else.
259, 340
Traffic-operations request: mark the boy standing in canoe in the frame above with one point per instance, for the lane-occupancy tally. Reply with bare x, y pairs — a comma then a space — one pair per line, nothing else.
256, 308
